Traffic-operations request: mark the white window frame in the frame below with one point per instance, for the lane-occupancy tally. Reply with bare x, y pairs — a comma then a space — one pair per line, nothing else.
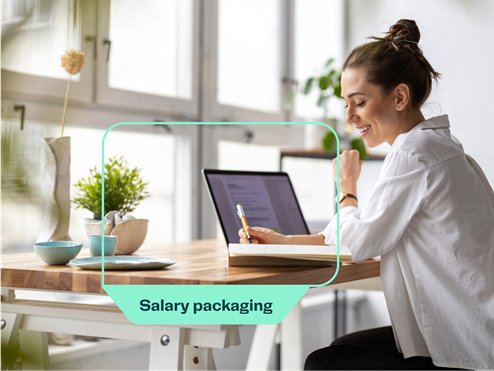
52, 89
174, 107
212, 110
343, 8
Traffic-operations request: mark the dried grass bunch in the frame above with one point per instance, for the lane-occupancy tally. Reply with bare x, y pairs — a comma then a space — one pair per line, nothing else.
72, 62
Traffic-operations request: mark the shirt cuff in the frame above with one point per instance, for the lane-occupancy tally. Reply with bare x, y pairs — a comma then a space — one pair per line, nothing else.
329, 232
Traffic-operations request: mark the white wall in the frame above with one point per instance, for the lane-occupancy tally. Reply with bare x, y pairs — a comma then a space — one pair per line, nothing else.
457, 39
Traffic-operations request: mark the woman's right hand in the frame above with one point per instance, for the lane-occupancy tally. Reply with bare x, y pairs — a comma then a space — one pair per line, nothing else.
350, 167
263, 236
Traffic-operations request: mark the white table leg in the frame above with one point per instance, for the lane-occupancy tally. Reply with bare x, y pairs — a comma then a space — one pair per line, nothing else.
198, 358
291, 340
8, 295
34, 350
262, 347
167, 348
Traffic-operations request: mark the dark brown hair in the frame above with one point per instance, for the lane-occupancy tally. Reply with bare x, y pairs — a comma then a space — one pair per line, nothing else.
395, 59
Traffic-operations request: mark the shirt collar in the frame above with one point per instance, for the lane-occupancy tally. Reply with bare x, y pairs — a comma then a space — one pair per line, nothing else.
438, 122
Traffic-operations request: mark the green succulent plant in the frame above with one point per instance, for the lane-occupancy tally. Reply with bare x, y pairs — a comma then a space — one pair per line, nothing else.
124, 188
329, 84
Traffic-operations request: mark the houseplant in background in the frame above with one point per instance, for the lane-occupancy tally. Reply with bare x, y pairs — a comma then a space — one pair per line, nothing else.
15, 169
328, 83
124, 190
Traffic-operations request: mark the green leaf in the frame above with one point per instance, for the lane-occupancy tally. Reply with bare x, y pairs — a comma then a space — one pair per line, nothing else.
324, 82
359, 145
323, 99
329, 142
337, 91
329, 62
308, 86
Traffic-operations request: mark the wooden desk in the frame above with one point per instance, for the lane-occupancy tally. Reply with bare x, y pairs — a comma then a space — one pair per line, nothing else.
198, 262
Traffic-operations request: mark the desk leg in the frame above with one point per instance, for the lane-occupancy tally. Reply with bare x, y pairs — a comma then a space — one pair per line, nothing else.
167, 348
262, 347
340, 309
198, 358
34, 350
291, 340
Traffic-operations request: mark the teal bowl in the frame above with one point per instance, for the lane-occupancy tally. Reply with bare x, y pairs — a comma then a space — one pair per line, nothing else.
57, 252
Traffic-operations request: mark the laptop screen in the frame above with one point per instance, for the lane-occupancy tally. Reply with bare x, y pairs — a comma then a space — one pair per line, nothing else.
268, 200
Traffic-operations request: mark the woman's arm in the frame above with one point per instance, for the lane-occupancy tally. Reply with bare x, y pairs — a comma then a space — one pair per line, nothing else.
350, 167
398, 195
264, 235
314, 239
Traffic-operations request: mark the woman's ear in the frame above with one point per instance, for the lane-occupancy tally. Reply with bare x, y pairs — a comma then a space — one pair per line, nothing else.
402, 97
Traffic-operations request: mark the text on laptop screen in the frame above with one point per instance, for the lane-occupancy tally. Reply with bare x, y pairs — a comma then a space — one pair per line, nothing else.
268, 202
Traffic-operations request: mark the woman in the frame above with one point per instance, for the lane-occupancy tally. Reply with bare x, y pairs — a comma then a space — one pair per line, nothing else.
430, 217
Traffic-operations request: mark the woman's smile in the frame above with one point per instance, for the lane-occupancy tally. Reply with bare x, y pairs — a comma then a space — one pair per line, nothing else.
363, 130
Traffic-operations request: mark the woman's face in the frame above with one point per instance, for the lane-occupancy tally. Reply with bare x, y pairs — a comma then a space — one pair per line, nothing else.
372, 114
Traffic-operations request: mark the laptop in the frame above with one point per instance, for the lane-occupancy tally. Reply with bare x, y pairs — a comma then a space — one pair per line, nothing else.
268, 200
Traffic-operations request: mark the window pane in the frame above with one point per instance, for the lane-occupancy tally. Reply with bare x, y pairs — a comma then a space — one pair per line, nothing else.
318, 37
247, 157
154, 154
315, 189
36, 34
249, 54
151, 49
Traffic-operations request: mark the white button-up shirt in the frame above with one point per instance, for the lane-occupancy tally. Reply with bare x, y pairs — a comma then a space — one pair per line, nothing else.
431, 218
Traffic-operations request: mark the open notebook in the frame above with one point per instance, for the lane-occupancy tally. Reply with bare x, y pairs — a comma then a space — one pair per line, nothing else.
285, 255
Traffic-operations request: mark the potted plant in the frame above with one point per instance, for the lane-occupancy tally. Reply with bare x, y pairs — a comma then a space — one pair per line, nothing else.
329, 84
124, 190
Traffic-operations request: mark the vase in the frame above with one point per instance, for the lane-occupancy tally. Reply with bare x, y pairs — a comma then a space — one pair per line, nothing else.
55, 189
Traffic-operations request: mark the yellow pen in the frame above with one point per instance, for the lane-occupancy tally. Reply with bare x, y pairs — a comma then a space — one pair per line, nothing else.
241, 215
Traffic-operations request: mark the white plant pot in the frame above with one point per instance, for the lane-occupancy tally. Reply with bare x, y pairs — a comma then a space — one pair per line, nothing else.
93, 227
55, 189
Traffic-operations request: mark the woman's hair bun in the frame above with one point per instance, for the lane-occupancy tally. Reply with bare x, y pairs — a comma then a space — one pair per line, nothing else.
396, 59
405, 30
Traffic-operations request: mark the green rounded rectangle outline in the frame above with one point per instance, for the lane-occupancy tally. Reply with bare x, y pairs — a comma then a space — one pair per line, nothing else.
209, 304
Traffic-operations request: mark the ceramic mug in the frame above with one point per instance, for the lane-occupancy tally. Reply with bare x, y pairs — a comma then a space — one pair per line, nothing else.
95, 245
